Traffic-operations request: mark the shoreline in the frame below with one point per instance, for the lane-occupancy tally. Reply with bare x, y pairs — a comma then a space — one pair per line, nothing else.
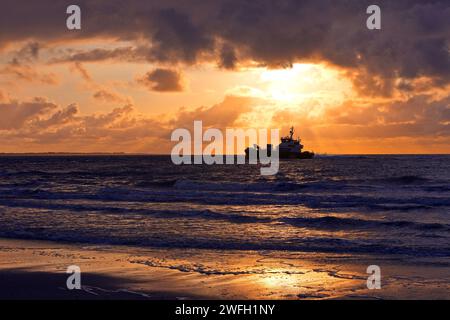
31, 269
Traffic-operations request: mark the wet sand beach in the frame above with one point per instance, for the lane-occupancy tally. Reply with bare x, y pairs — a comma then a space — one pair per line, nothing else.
37, 270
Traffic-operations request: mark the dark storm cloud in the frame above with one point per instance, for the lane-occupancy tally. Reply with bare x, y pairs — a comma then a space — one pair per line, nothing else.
124, 54
228, 59
162, 80
177, 38
413, 41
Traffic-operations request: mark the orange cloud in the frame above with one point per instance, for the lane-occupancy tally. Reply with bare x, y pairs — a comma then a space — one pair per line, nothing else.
16, 114
27, 73
162, 80
77, 66
40, 126
221, 115
106, 95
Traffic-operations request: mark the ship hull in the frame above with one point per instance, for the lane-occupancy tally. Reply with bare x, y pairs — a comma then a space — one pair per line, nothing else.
301, 155
288, 155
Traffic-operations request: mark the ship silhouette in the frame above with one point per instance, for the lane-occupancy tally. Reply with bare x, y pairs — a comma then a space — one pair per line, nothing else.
289, 148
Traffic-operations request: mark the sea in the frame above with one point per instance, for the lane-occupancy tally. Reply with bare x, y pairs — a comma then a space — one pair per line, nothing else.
371, 204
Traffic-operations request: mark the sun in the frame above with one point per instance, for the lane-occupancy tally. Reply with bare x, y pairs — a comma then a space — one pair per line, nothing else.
307, 90
304, 81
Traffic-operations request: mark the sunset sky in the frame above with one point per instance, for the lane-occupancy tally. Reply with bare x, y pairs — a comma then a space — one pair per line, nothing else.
139, 69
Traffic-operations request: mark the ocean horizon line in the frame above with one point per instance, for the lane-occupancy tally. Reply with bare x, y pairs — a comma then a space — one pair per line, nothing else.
194, 155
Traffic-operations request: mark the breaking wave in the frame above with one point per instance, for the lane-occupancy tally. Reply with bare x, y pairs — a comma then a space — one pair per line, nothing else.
360, 204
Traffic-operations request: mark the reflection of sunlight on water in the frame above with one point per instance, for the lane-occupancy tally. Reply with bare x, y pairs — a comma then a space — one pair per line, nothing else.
310, 283
278, 280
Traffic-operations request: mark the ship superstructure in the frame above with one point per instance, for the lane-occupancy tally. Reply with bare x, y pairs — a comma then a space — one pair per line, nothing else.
289, 148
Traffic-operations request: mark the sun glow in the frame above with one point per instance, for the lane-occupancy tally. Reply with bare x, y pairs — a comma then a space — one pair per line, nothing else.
303, 82
306, 90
